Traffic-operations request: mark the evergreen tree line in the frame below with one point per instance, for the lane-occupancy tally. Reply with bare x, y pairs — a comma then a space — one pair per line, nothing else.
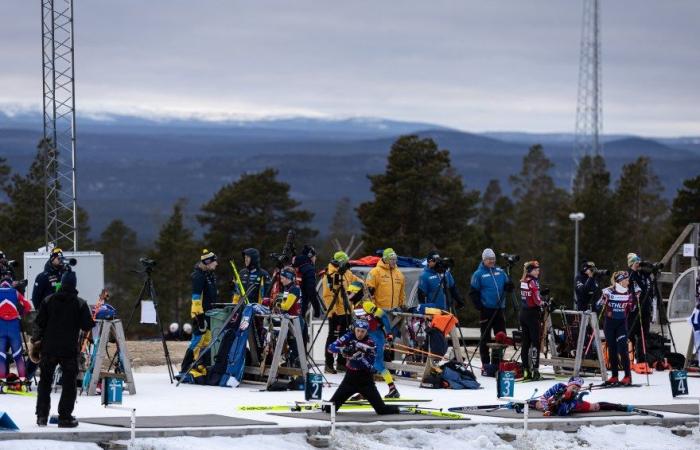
419, 203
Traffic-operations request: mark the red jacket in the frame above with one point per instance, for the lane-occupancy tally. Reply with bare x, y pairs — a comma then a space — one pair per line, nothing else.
530, 292
11, 302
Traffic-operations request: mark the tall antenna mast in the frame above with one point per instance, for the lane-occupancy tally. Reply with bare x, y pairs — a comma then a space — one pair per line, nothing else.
589, 108
58, 143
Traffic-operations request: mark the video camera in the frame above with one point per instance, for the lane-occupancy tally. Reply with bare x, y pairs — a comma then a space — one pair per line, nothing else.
443, 264
288, 251
651, 267
67, 263
147, 263
510, 258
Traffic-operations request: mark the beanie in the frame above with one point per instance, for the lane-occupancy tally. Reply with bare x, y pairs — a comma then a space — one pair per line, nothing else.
341, 257
488, 254
388, 253
207, 257
309, 251
69, 281
632, 258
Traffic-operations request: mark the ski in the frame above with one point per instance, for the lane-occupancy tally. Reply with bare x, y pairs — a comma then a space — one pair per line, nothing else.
522, 380
391, 400
611, 386
493, 407
5, 388
645, 412
431, 412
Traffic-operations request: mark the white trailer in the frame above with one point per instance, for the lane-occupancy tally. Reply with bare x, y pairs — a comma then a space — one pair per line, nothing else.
89, 271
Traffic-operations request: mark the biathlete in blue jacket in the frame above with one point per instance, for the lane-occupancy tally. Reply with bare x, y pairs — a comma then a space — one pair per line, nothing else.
359, 351
565, 399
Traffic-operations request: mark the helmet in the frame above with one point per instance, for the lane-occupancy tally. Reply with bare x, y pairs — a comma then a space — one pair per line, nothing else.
361, 323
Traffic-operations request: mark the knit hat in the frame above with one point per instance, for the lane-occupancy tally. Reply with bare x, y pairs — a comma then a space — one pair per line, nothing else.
56, 253
340, 257
488, 254
308, 250
388, 253
69, 281
632, 258
207, 257
576, 381
288, 273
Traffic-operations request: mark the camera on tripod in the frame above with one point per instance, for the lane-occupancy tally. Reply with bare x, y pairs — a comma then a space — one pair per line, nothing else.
443, 264
510, 258
147, 263
651, 267
67, 263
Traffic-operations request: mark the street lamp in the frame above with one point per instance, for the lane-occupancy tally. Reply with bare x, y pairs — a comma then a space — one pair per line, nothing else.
576, 217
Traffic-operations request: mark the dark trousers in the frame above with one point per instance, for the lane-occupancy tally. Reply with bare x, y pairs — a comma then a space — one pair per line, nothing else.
635, 332
616, 338
337, 326
490, 320
362, 382
530, 325
69, 367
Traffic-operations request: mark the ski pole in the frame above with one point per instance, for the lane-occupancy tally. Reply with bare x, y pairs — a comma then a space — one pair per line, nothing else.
412, 351
644, 345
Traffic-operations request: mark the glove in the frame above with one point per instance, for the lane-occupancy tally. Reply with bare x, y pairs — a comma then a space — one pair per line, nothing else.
201, 322
347, 351
389, 337
196, 308
580, 395
35, 352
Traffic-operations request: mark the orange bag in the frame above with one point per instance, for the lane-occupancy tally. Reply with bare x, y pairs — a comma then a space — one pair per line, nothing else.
445, 323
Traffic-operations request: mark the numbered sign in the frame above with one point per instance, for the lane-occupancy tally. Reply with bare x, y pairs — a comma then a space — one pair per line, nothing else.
112, 389
314, 386
679, 382
506, 384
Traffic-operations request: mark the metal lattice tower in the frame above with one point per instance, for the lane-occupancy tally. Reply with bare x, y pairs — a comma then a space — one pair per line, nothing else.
589, 108
58, 144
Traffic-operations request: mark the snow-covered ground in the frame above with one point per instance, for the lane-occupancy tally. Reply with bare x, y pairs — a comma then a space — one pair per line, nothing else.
156, 396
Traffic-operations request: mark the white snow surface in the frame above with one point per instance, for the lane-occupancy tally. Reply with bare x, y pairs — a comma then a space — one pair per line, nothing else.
156, 396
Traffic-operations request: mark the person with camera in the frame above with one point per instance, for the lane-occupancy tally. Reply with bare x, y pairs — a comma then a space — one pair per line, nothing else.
204, 293
385, 282
616, 304
338, 278
586, 286
13, 306
488, 287
48, 281
359, 351
304, 263
55, 342
643, 293
256, 281
530, 319
435, 280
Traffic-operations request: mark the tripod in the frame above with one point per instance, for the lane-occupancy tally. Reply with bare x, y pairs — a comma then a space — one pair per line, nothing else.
453, 310
148, 291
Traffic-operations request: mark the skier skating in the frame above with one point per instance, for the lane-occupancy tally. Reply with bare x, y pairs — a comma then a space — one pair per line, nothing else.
360, 354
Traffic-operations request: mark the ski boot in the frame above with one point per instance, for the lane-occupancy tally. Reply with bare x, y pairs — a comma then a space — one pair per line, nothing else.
42, 421
357, 398
626, 381
67, 422
526, 375
535, 376
329, 369
393, 393
610, 381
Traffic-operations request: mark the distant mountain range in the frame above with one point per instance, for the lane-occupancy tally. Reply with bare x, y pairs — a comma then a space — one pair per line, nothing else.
134, 168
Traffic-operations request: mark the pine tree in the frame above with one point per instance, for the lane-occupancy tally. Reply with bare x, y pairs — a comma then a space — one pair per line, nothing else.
255, 211
496, 217
593, 196
119, 245
685, 208
642, 211
419, 203
342, 228
176, 251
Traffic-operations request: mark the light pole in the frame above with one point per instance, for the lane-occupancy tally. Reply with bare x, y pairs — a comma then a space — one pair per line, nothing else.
576, 217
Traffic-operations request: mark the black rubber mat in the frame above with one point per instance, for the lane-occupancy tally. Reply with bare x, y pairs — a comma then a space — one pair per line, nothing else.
193, 421
679, 408
364, 417
534, 414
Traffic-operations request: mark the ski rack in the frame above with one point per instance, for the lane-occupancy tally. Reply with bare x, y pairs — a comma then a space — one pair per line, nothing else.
106, 329
561, 363
259, 366
400, 319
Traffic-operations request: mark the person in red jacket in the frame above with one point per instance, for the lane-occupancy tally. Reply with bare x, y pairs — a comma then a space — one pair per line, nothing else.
13, 306
530, 322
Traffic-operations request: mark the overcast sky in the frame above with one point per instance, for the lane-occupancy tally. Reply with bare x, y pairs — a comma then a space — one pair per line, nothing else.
485, 65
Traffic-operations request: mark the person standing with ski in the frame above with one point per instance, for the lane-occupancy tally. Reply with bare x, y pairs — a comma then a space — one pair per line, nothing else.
204, 293
360, 353
530, 319
13, 306
337, 279
616, 303
566, 399
256, 281
56, 329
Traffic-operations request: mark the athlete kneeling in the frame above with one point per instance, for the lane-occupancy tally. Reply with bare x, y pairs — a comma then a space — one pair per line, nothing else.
359, 351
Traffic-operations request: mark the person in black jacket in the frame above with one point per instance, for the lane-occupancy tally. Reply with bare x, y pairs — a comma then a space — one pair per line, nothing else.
586, 287
48, 281
61, 318
256, 281
305, 265
641, 289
